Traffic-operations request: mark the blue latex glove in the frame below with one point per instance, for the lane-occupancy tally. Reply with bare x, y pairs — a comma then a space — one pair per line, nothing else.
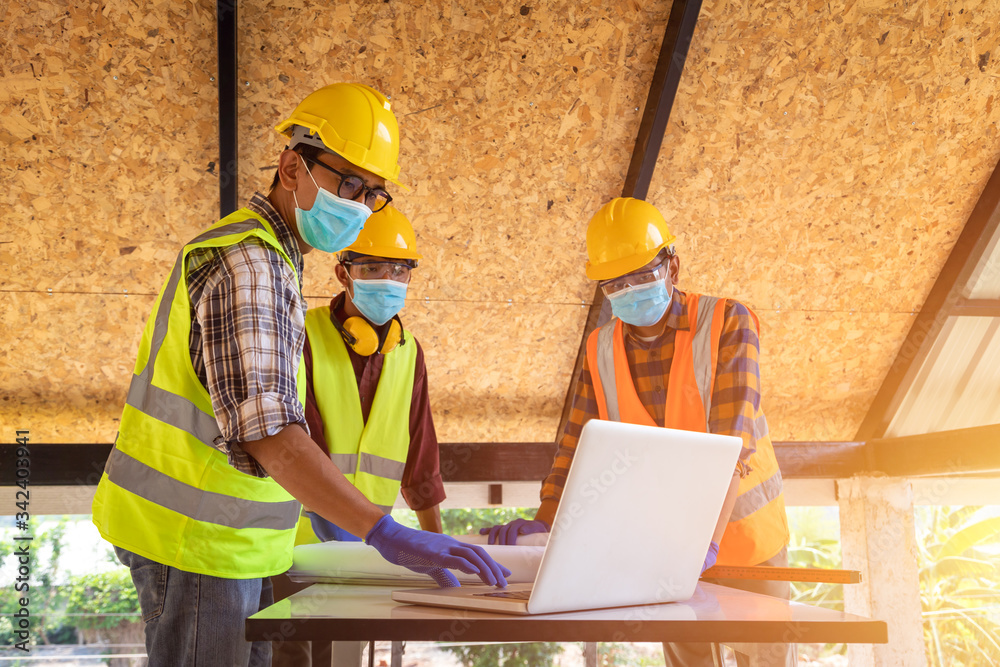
431, 553
329, 532
713, 553
506, 533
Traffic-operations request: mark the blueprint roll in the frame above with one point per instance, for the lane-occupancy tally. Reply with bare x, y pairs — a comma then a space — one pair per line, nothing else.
358, 563
529, 540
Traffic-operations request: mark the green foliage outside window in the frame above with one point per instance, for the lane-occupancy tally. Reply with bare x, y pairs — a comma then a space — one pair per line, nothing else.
49, 624
959, 571
62, 605
506, 655
106, 599
808, 549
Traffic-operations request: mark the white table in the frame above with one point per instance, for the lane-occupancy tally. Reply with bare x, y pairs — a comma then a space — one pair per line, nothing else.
717, 614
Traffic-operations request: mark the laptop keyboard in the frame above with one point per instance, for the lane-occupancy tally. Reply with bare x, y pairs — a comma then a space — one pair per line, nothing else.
509, 595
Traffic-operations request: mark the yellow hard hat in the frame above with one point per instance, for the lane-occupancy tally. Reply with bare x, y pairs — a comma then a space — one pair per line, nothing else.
356, 122
387, 233
625, 235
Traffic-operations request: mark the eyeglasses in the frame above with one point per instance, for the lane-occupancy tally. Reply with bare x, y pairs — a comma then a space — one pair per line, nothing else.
351, 186
379, 270
634, 279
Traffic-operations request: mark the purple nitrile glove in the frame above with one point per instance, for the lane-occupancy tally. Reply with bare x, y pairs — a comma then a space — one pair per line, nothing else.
713, 553
506, 533
433, 553
328, 531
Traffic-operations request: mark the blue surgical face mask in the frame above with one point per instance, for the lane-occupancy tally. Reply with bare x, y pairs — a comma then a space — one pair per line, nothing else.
642, 305
332, 223
379, 300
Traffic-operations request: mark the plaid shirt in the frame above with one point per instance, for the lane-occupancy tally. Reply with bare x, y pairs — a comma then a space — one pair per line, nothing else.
735, 396
247, 333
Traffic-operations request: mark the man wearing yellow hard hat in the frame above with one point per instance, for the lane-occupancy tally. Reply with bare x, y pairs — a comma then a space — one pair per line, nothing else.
367, 402
201, 493
678, 360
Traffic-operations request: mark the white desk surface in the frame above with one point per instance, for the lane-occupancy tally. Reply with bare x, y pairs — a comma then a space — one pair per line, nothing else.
335, 612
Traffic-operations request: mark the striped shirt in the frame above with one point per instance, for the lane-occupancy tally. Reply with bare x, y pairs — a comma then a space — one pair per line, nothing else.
735, 396
247, 333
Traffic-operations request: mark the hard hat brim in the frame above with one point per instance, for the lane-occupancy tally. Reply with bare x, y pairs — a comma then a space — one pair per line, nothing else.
619, 267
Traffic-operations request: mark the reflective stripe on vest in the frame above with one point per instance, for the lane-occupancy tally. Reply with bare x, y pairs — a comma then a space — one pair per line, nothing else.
371, 455
167, 492
201, 505
757, 528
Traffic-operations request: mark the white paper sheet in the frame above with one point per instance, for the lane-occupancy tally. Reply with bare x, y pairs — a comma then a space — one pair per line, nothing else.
358, 563
531, 540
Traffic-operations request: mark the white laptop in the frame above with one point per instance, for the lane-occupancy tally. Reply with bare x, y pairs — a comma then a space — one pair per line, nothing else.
636, 518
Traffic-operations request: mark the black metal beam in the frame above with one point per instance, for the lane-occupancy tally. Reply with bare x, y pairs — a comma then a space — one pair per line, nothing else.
56, 464
496, 462
226, 24
822, 460
967, 451
944, 297
660, 100
82, 464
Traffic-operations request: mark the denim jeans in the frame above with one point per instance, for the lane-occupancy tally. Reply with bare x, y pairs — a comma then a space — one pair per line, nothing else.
197, 620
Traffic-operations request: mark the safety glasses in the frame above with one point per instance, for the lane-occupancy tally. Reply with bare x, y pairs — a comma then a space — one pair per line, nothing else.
379, 270
351, 186
634, 279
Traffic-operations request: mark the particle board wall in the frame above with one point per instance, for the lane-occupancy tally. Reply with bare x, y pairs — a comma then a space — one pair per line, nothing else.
517, 122
107, 128
820, 162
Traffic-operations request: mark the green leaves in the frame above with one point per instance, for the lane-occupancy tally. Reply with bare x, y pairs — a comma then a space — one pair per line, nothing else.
505, 655
959, 559
108, 598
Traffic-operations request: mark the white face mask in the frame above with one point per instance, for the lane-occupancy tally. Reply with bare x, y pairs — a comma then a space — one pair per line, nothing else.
379, 300
332, 223
642, 305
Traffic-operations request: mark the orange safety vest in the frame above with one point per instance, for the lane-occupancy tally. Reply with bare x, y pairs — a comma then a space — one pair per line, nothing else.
758, 526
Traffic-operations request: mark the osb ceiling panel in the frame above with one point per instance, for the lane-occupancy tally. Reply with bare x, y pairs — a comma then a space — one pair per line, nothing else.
65, 363
107, 127
518, 122
820, 161
108, 123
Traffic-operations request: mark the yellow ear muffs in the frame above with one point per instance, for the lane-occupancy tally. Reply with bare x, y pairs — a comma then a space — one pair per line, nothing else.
364, 339
393, 335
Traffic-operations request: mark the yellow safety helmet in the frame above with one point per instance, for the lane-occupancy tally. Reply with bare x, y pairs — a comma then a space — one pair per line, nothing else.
387, 233
625, 235
353, 120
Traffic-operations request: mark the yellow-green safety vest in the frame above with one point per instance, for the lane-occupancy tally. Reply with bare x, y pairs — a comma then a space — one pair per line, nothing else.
166, 492
371, 455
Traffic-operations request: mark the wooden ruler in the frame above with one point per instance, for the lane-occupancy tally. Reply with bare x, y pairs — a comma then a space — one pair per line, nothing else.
804, 574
